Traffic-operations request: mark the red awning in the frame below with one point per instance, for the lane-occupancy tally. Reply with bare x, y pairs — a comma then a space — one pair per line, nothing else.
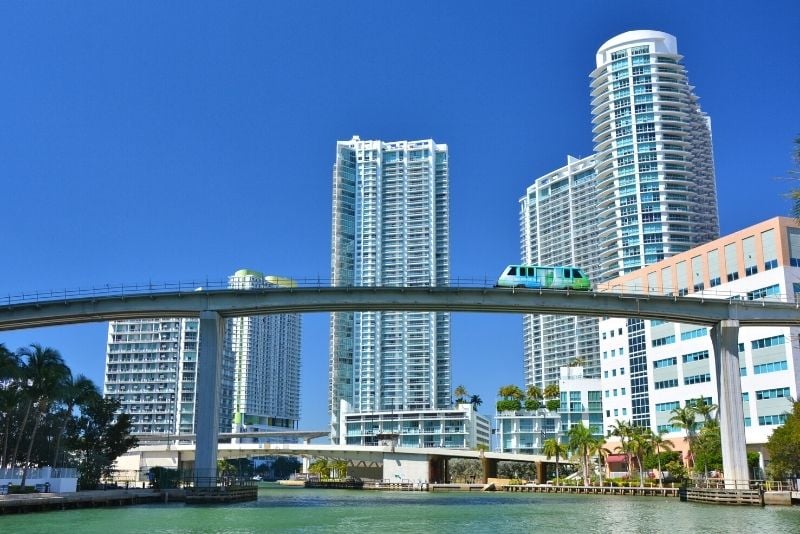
616, 458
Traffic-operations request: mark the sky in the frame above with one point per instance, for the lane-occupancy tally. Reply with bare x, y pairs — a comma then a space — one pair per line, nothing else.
177, 141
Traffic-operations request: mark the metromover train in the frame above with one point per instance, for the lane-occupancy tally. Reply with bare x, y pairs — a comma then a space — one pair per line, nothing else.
544, 277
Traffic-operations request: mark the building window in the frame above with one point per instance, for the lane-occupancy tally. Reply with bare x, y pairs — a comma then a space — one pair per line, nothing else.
771, 264
695, 356
692, 334
764, 292
778, 393
769, 420
697, 379
666, 362
663, 341
767, 342
664, 384
749, 271
770, 367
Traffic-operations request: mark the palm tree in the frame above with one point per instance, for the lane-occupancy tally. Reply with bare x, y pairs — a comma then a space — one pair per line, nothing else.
534, 393
685, 418
551, 447
475, 401
623, 431
46, 372
599, 449
657, 443
581, 440
511, 392
10, 372
639, 447
705, 409
551, 391
74, 391
460, 393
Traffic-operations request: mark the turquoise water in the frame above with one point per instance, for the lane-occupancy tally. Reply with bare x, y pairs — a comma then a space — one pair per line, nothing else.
281, 509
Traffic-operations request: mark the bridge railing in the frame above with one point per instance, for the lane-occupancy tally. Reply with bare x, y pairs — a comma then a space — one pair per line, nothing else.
189, 286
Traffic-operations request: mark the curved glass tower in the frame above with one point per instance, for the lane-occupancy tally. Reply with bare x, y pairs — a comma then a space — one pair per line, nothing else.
654, 162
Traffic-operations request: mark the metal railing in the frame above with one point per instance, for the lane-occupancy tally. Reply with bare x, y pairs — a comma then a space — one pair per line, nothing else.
188, 286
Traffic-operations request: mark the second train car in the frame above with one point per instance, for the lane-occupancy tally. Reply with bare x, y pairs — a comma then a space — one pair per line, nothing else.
544, 277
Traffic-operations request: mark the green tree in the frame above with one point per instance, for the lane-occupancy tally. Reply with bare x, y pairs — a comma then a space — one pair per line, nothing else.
475, 401
623, 431
10, 394
639, 446
98, 437
598, 448
552, 405
784, 446
511, 398
320, 468
534, 392
581, 442
74, 391
532, 404
686, 419
551, 447
707, 450
339, 468
461, 394
704, 409
551, 391
657, 443
46, 373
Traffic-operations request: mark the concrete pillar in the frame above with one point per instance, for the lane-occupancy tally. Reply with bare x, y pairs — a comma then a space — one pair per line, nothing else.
209, 370
489, 468
725, 337
306, 459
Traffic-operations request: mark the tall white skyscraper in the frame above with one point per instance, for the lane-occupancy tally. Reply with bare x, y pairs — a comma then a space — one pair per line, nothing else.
151, 368
656, 191
265, 351
646, 194
390, 228
558, 223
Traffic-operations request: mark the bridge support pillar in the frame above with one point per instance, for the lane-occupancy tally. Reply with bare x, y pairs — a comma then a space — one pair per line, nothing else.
209, 371
725, 338
306, 458
489, 469
541, 472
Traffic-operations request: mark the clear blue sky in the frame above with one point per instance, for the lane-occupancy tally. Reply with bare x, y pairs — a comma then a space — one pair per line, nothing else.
176, 140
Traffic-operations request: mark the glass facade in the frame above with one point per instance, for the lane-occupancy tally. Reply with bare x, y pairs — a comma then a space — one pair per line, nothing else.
390, 228
654, 162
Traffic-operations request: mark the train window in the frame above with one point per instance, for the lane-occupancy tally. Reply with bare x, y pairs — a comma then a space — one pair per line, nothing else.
567, 273
525, 271
576, 273
512, 271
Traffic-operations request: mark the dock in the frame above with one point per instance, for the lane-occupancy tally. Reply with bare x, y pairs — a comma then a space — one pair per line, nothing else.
645, 491
40, 502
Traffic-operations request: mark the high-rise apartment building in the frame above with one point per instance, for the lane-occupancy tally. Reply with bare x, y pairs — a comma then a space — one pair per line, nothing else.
390, 228
558, 224
652, 192
265, 350
151, 368
656, 193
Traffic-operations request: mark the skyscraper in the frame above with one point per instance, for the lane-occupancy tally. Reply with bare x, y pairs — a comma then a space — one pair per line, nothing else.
647, 193
390, 228
656, 191
265, 350
151, 368
558, 220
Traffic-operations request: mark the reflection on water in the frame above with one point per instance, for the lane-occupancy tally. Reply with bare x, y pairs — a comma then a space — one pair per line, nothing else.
281, 509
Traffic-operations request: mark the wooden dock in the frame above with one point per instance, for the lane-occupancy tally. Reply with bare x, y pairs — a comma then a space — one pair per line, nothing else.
646, 491
747, 497
40, 502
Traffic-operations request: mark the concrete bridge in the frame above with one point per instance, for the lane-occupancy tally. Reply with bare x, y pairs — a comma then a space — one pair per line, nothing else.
383, 462
724, 315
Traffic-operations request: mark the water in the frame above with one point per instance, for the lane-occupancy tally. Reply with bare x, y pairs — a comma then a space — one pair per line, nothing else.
299, 510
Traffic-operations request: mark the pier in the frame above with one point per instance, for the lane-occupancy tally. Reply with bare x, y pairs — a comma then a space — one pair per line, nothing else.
645, 491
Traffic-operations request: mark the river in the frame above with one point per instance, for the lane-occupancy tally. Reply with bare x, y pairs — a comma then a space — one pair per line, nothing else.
281, 509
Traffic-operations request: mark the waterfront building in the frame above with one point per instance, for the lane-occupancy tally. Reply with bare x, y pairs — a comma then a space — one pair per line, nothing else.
761, 262
265, 350
151, 368
558, 226
525, 431
390, 228
461, 427
656, 192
